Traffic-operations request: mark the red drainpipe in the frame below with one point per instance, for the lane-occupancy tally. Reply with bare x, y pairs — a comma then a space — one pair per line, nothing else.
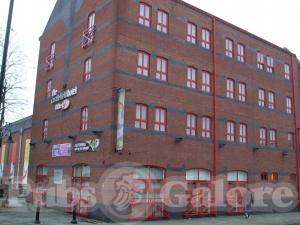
295, 124
215, 117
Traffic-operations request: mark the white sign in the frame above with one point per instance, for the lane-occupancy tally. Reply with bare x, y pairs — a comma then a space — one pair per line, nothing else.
64, 95
64, 105
58, 176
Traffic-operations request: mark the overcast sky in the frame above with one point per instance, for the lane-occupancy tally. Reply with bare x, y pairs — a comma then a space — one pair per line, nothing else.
274, 20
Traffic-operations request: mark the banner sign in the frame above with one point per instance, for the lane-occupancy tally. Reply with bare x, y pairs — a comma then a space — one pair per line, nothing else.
58, 176
13, 160
87, 146
3, 151
63, 95
61, 150
26, 161
120, 122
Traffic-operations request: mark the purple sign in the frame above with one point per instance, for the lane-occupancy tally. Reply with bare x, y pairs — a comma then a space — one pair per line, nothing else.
61, 150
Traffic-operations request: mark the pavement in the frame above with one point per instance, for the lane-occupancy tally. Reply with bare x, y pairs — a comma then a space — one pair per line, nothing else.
26, 215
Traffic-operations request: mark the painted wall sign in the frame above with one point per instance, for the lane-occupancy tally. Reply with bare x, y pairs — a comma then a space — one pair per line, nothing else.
64, 105
58, 176
13, 161
3, 151
56, 97
87, 146
120, 122
26, 161
61, 150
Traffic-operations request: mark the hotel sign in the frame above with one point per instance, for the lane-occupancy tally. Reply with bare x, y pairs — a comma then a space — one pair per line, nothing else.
57, 97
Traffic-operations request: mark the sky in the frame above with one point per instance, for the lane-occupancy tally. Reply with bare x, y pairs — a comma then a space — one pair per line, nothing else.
273, 20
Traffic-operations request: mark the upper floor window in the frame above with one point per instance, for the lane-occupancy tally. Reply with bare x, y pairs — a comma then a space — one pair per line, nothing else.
145, 15
291, 140
160, 123
229, 48
84, 118
143, 63
162, 21
45, 129
206, 127
241, 52
242, 92
230, 134
271, 100
191, 33
287, 71
272, 138
205, 86
191, 124
230, 88
262, 136
243, 133
260, 61
261, 97
87, 69
289, 105
161, 69
205, 39
141, 116
51, 57
270, 64
89, 33
49, 89
191, 77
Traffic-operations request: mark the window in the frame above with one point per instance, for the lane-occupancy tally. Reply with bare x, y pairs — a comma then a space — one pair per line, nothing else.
243, 133
84, 118
289, 105
230, 89
237, 176
198, 175
229, 48
263, 136
49, 89
274, 177
291, 140
206, 127
91, 20
141, 116
145, 15
51, 57
271, 100
160, 122
191, 77
260, 61
261, 97
230, 135
264, 176
45, 129
161, 69
287, 71
270, 64
87, 69
273, 139
205, 86
143, 64
241, 53
191, 124
205, 39
242, 92
162, 21
42, 177
89, 33
191, 33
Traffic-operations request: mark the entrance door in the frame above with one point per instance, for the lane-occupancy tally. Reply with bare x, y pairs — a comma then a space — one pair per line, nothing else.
42, 181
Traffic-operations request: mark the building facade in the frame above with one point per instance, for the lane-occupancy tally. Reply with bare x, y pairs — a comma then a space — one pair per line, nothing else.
169, 87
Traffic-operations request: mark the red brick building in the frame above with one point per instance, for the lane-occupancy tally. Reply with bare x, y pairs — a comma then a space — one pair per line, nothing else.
201, 98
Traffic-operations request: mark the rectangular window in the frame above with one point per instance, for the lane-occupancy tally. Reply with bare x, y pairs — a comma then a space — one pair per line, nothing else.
51, 57
229, 48
291, 140
205, 39
143, 63
289, 105
141, 116
230, 89
89, 33
262, 136
191, 124
162, 21
205, 86
273, 139
270, 64
261, 97
206, 127
160, 123
84, 118
144, 15
260, 61
161, 69
242, 92
191, 33
241, 52
45, 129
91, 21
243, 133
264, 176
230, 134
274, 177
87, 69
271, 100
49, 89
191, 77
287, 71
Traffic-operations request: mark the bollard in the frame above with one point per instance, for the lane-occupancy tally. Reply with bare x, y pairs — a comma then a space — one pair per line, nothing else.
74, 214
37, 214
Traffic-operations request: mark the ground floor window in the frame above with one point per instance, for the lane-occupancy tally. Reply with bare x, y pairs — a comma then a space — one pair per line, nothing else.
42, 181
